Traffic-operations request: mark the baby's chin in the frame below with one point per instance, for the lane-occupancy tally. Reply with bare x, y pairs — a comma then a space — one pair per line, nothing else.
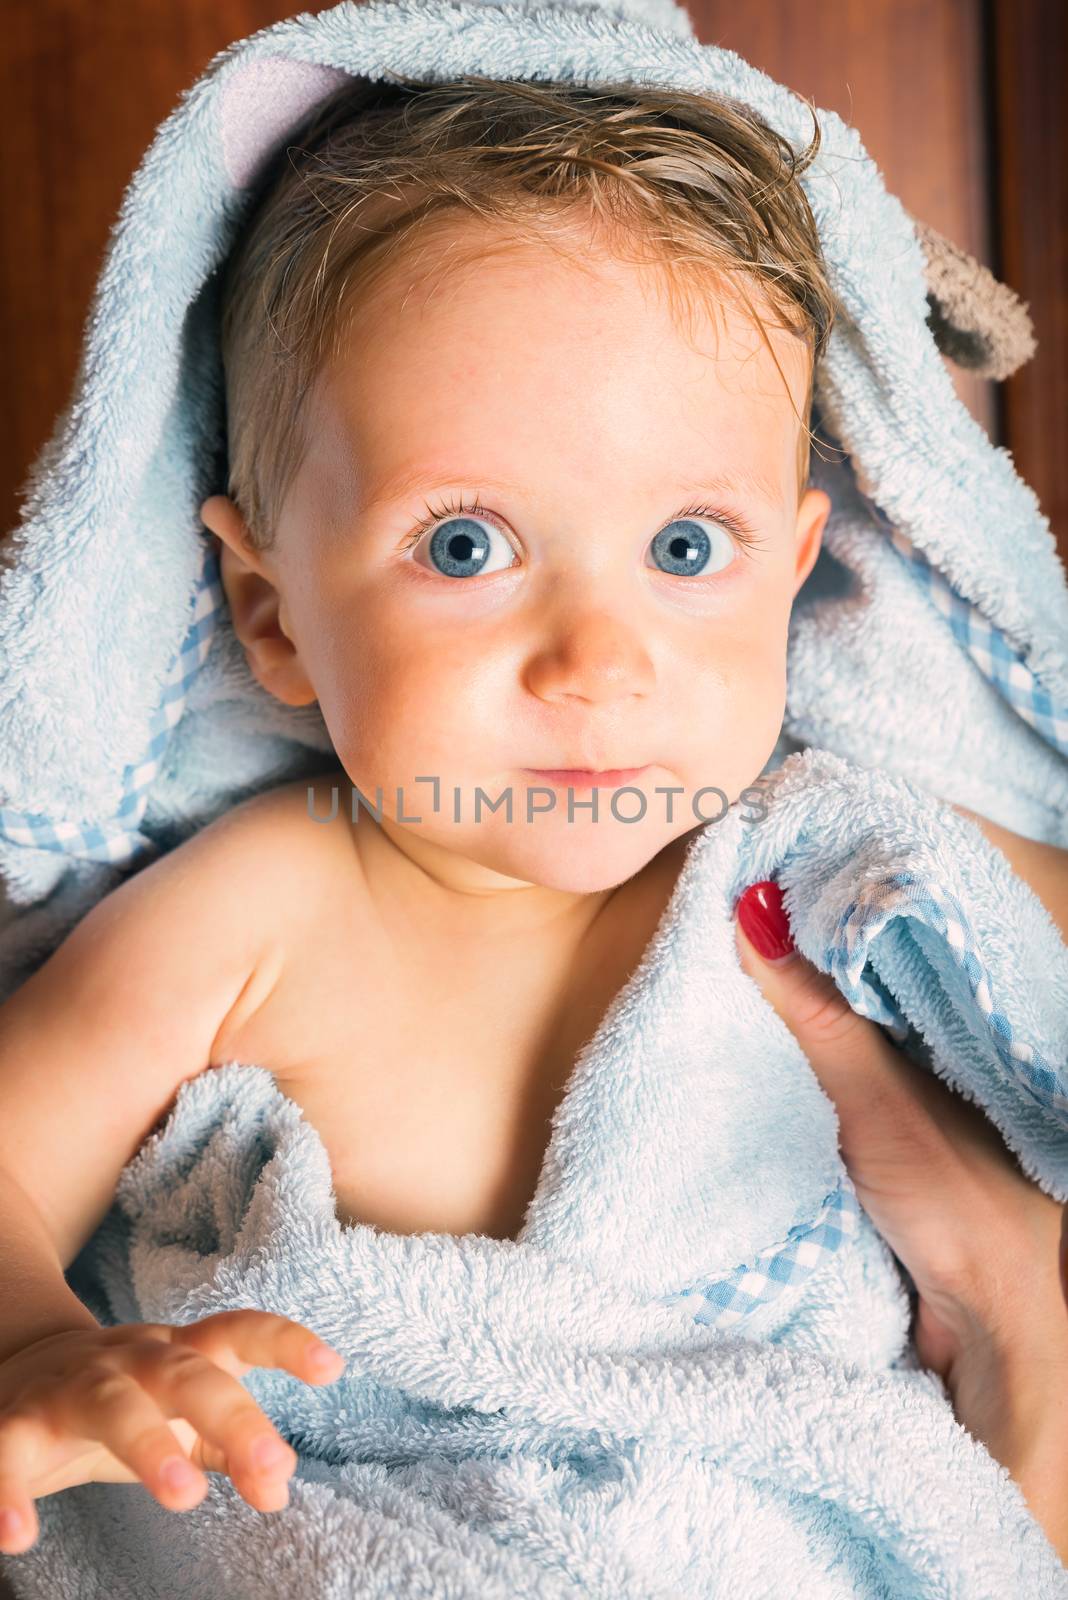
583, 857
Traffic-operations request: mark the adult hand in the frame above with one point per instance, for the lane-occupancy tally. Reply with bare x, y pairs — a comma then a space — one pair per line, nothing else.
986, 1249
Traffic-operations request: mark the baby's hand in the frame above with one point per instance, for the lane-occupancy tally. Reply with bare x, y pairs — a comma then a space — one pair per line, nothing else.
91, 1406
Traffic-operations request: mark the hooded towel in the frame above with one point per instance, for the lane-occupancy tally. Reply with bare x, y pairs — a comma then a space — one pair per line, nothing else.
690, 1373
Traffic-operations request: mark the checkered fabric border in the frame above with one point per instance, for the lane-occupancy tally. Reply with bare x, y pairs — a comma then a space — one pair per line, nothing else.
119, 839
986, 644
905, 893
727, 1301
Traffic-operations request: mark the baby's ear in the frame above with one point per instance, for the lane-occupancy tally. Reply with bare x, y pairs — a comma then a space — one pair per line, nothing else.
257, 606
977, 322
812, 514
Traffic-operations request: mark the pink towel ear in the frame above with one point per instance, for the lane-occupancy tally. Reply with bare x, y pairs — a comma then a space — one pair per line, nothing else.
263, 99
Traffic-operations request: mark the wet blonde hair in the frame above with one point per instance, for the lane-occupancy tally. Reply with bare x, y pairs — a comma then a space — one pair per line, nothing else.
696, 183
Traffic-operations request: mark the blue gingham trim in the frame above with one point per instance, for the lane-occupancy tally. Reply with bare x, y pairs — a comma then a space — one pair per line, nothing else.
905, 894
119, 839
987, 646
727, 1301
996, 659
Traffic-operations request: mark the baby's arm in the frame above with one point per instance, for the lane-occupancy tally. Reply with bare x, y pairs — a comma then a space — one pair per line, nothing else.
93, 1047
1043, 867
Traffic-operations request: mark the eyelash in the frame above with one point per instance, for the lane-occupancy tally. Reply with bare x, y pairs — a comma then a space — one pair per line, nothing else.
741, 530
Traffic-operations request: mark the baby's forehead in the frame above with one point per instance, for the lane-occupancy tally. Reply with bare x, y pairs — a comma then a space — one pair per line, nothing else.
461, 271
446, 354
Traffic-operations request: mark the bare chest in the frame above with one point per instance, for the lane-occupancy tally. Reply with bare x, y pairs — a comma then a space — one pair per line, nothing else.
433, 1087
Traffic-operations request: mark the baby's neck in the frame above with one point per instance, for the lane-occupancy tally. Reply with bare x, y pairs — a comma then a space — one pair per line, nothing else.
422, 891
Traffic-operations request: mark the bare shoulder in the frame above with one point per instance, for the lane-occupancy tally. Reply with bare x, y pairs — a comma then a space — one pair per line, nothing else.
306, 815
94, 1044
282, 851
248, 883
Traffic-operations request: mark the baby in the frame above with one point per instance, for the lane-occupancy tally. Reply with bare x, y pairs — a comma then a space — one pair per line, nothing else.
528, 539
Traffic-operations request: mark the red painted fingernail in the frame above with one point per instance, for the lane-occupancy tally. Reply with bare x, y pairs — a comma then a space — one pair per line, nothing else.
764, 922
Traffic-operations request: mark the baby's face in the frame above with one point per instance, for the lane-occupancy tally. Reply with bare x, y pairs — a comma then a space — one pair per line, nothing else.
578, 619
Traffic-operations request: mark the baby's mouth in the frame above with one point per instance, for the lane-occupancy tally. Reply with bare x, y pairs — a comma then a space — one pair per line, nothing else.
585, 777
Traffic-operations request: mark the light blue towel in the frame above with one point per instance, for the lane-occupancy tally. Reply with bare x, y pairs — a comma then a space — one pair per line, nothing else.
691, 1372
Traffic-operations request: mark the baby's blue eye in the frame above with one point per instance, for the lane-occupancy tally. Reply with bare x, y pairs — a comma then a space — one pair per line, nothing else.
684, 549
462, 547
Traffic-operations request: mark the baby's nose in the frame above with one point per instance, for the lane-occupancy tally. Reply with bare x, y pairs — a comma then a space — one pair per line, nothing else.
590, 654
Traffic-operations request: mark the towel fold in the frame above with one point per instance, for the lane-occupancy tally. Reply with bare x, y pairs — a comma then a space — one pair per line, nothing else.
690, 1373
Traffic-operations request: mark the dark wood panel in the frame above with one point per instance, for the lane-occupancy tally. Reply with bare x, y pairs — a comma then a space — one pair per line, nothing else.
84, 88
1030, 59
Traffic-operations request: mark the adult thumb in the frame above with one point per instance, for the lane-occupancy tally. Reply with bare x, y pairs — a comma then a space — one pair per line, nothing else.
929, 1166
891, 1112
808, 1001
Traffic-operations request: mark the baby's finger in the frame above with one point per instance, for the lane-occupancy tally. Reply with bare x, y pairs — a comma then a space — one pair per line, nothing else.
240, 1340
187, 1384
20, 1442
111, 1406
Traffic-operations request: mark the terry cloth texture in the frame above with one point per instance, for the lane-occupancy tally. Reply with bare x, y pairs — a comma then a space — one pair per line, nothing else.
690, 1373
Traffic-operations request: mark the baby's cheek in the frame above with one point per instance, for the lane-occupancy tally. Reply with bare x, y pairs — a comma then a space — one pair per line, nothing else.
359, 697
394, 717
739, 714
